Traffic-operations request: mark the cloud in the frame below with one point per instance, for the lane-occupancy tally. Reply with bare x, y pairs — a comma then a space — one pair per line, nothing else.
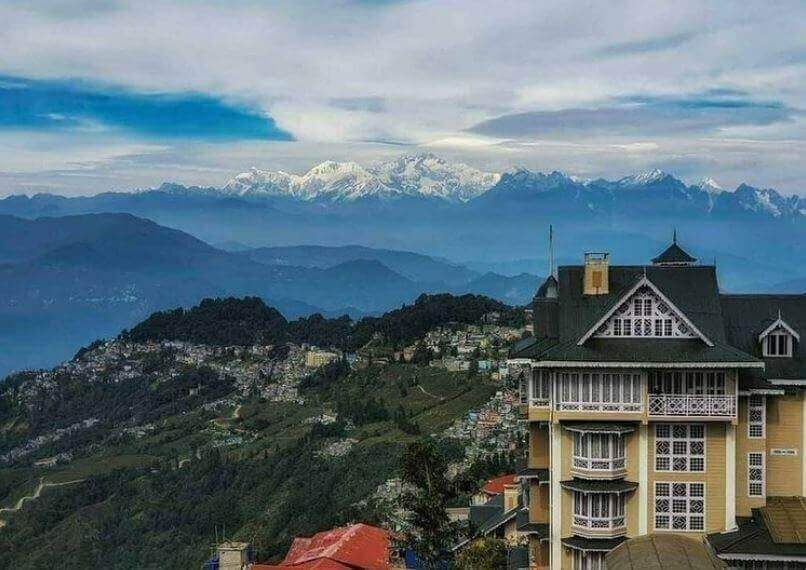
647, 45
333, 74
641, 115
74, 105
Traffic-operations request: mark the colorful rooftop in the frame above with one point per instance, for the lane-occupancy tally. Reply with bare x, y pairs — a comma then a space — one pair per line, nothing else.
354, 547
496, 485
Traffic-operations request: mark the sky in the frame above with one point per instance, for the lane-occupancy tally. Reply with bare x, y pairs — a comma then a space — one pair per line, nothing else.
111, 95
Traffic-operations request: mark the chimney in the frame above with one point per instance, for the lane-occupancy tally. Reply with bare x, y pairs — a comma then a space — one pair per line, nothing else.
511, 496
596, 274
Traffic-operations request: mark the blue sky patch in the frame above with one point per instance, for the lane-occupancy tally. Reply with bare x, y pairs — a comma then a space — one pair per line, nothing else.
76, 105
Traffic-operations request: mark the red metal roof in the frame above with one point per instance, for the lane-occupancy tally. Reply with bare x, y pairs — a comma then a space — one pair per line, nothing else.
354, 547
496, 486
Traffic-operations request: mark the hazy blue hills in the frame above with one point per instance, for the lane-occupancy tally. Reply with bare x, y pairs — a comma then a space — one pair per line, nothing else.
65, 281
76, 268
413, 266
483, 219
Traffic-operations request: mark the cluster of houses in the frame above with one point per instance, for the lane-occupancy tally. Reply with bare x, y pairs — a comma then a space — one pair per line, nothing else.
496, 510
483, 348
494, 429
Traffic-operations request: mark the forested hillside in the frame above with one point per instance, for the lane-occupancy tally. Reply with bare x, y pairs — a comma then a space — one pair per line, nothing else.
141, 450
249, 321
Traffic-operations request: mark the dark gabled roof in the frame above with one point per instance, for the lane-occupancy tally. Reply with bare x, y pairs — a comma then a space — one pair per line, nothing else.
747, 316
491, 515
593, 486
502, 517
531, 347
523, 524
693, 290
539, 473
517, 558
479, 514
674, 254
753, 537
754, 380
592, 544
662, 552
602, 427
646, 350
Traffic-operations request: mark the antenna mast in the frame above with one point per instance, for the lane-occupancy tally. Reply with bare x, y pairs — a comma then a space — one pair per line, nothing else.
551, 250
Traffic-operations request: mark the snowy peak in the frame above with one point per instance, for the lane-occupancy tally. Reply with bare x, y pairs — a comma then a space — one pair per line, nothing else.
768, 201
643, 178
422, 175
431, 176
710, 185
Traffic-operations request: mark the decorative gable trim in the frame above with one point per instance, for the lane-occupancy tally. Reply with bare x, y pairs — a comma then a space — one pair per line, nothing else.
643, 282
779, 323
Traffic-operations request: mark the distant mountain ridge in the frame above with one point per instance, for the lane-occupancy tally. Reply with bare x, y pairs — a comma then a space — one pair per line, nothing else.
427, 176
426, 204
67, 280
644, 189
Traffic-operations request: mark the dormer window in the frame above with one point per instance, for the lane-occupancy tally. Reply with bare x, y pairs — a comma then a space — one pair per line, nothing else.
778, 339
778, 344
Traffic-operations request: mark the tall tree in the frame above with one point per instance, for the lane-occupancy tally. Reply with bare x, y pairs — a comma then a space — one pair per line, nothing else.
483, 554
430, 534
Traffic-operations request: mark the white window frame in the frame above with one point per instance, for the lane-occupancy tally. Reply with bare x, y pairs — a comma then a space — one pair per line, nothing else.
756, 461
523, 388
540, 390
675, 501
756, 428
646, 315
609, 391
588, 560
676, 455
585, 507
774, 340
599, 451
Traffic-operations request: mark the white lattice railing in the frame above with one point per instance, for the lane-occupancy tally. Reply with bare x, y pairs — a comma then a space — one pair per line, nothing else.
539, 402
599, 407
614, 524
598, 464
686, 405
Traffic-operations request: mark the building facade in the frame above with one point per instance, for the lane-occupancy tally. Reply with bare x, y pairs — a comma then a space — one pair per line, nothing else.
656, 404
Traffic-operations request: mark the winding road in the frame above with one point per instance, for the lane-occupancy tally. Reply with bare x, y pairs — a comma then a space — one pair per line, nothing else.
37, 492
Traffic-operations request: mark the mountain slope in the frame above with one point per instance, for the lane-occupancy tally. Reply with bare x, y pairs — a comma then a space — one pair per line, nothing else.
414, 266
169, 433
65, 281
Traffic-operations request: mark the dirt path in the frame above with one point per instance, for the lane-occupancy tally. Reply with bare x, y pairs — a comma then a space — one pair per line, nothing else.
427, 393
223, 422
37, 492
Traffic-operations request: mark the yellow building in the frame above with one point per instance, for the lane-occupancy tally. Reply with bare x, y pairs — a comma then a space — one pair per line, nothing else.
317, 358
656, 405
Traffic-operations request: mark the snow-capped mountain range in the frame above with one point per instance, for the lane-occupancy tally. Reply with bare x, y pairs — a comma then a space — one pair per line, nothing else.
423, 175
428, 176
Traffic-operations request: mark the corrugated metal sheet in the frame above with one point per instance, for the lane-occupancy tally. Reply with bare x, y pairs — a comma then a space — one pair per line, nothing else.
785, 518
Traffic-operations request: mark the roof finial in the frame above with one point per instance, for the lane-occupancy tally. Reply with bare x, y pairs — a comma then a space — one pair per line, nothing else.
779, 313
674, 236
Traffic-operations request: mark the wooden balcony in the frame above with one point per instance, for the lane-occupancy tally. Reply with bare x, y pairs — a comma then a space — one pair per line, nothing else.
597, 468
708, 407
599, 527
